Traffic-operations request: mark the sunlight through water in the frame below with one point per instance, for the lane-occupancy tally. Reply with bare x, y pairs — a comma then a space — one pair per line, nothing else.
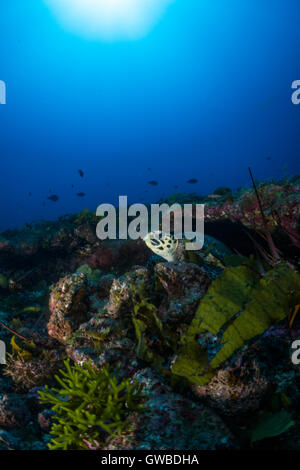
109, 19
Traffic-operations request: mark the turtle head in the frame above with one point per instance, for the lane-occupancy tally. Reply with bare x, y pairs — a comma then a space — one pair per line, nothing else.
162, 244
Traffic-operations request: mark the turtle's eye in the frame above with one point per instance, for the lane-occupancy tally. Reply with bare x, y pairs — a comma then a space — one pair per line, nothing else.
155, 242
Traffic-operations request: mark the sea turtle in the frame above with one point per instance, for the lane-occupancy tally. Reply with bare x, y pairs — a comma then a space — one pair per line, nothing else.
172, 249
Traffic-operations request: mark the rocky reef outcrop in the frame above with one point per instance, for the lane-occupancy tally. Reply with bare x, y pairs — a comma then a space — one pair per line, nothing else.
209, 346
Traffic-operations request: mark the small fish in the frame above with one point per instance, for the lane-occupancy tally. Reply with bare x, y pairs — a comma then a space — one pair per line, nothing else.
29, 194
213, 196
268, 158
31, 309
192, 181
72, 185
153, 183
53, 198
81, 173
149, 169
80, 194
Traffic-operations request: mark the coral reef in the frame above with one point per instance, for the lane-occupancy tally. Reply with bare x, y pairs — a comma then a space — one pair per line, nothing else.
281, 205
208, 338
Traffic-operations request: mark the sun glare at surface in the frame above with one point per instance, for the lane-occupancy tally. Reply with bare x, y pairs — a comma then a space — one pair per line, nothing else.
109, 19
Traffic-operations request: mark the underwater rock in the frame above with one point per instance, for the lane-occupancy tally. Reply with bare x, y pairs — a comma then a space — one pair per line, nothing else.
69, 306
234, 392
282, 376
13, 411
218, 249
110, 335
90, 273
133, 252
104, 340
5, 385
222, 190
103, 258
119, 254
27, 374
120, 299
3, 244
86, 233
81, 355
171, 421
61, 239
185, 284
8, 441
281, 206
104, 286
45, 419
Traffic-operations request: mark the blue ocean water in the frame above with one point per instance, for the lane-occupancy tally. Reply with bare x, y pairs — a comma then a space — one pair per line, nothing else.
204, 94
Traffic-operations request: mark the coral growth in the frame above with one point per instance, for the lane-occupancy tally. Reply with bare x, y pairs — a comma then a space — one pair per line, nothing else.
209, 337
68, 305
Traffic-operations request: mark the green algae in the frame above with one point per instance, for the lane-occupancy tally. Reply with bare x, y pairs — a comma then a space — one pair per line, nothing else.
271, 425
238, 306
89, 404
3, 281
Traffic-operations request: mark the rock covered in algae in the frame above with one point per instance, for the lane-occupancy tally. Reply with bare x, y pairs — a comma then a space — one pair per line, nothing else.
120, 299
69, 306
281, 206
234, 391
185, 284
171, 421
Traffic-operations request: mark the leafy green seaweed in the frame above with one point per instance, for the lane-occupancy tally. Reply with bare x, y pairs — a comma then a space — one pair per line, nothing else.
272, 425
238, 306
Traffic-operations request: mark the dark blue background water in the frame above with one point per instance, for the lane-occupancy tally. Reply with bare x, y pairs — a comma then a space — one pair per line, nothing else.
204, 95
